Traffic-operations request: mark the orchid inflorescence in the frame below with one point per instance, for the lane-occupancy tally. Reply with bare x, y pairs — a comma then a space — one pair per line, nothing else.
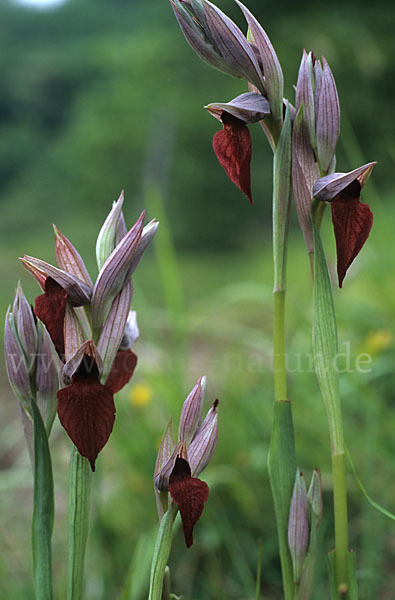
92, 330
178, 465
315, 119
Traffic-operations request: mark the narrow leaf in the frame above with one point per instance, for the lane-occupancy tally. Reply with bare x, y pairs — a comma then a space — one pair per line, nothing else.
383, 511
161, 553
325, 343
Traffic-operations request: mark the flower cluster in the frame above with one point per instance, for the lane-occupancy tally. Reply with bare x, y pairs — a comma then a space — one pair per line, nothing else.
178, 465
315, 119
90, 324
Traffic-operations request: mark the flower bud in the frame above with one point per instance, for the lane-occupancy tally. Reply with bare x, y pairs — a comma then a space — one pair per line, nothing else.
204, 442
305, 96
327, 118
314, 497
146, 238
112, 276
191, 412
298, 526
106, 240
218, 40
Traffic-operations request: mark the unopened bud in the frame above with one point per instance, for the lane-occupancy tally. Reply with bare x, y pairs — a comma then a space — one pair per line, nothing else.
298, 526
112, 276
192, 412
202, 447
327, 118
107, 238
305, 96
314, 496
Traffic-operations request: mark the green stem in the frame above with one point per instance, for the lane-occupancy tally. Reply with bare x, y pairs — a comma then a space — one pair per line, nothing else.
341, 520
78, 522
279, 367
43, 509
282, 460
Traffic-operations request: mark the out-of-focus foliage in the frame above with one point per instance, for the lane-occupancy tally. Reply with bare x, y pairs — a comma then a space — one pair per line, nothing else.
97, 94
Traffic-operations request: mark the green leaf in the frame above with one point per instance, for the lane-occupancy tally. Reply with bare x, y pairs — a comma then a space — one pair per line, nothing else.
383, 511
325, 343
161, 553
78, 522
43, 509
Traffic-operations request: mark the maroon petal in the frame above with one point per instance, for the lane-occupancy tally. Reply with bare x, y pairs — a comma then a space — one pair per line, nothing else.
232, 147
122, 370
87, 412
352, 221
190, 495
50, 308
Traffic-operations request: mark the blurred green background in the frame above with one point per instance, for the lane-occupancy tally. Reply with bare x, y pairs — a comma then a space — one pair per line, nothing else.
100, 95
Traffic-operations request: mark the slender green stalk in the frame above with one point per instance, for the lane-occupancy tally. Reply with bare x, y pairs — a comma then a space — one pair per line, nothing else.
43, 509
341, 519
78, 522
279, 367
281, 460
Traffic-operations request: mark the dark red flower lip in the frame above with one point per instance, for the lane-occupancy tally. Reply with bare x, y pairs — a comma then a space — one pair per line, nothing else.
352, 222
233, 148
50, 308
190, 494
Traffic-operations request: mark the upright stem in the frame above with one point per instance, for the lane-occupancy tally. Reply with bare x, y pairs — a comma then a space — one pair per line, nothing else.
279, 367
78, 522
43, 509
281, 460
341, 520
